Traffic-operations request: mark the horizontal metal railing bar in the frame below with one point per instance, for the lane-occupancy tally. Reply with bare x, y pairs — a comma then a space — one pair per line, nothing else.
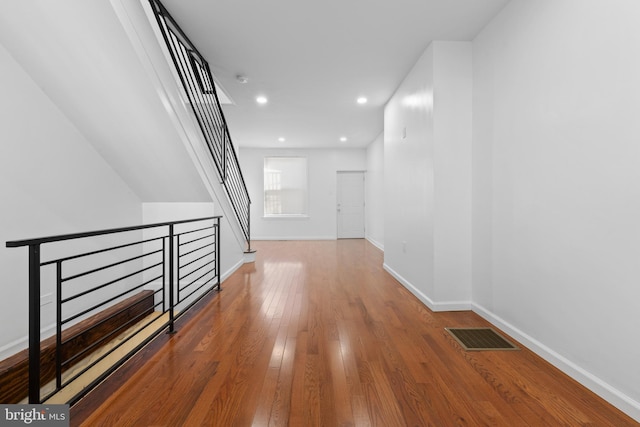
197, 239
120, 344
195, 270
209, 227
111, 282
196, 249
198, 259
50, 394
122, 310
194, 302
62, 237
82, 313
198, 278
95, 270
195, 231
104, 338
113, 368
198, 288
160, 302
113, 248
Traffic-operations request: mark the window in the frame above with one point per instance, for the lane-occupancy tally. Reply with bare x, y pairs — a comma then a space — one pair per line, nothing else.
285, 186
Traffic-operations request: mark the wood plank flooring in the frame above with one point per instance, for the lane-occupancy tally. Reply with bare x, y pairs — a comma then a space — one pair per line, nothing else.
318, 334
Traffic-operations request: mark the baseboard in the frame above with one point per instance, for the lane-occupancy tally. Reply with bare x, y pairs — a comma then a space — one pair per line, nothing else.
609, 393
20, 344
294, 238
612, 395
431, 304
375, 243
231, 270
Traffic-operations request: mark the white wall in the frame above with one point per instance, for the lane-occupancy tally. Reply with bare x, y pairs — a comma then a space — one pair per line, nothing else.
452, 75
556, 197
99, 83
427, 156
374, 192
51, 182
408, 171
87, 139
323, 165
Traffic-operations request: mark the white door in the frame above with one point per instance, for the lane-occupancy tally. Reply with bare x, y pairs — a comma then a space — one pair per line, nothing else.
350, 205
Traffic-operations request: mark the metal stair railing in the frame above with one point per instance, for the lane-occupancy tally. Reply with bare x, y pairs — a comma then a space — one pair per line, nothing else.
199, 85
87, 273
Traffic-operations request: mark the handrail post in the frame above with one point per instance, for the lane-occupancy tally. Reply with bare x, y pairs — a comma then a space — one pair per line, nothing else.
34, 323
249, 226
171, 299
59, 324
217, 225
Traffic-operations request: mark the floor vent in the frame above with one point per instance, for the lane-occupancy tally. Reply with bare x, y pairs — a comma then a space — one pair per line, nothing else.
480, 339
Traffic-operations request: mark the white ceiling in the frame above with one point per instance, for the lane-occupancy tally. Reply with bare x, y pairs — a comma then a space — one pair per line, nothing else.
312, 59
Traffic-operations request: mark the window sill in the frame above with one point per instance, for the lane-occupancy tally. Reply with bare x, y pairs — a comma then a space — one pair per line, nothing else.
277, 217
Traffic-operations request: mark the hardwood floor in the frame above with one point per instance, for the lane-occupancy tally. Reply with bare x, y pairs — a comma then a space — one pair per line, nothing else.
318, 334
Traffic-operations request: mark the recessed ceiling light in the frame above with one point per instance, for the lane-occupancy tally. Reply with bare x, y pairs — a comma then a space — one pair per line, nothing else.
281, 139
343, 139
362, 100
261, 100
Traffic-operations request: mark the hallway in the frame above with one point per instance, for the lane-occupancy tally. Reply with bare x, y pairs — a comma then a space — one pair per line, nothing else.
317, 333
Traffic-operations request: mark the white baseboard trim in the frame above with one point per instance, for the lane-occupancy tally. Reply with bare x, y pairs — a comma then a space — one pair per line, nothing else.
375, 243
13, 347
231, 270
20, 344
431, 304
612, 395
609, 393
294, 238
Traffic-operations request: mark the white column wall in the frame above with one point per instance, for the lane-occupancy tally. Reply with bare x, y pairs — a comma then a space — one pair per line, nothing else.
427, 158
556, 197
409, 180
374, 192
452, 158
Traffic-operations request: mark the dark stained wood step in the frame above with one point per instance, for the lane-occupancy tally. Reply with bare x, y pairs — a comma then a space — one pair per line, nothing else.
95, 330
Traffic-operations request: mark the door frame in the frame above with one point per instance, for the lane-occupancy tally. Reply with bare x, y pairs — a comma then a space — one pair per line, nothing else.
364, 182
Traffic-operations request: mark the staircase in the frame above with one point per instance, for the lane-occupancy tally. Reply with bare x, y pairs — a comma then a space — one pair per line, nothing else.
199, 91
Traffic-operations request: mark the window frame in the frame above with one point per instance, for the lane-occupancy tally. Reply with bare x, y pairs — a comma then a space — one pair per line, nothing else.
304, 201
